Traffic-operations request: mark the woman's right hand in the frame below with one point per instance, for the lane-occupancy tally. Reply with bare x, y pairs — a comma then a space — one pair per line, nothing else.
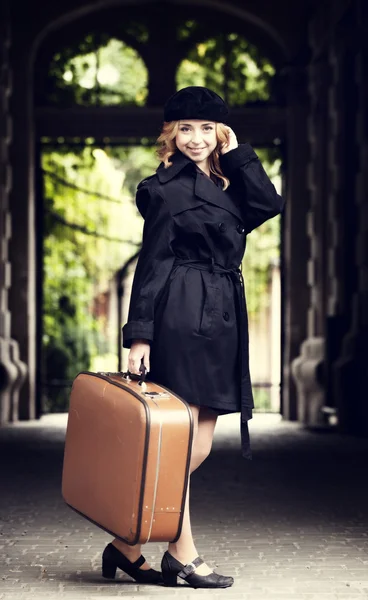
138, 350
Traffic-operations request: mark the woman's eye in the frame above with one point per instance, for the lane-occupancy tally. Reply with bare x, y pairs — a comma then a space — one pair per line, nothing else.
184, 129
208, 128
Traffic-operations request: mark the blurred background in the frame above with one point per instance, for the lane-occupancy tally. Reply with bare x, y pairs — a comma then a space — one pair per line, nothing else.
82, 90
92, 230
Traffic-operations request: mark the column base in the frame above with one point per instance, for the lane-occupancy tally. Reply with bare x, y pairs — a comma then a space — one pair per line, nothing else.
350, 383
13, 372
307, 372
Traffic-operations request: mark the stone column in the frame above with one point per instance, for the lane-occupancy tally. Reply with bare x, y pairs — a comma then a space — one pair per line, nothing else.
350, 370
22, 243
307, 368
333, 378
12, 370
342, 213
295, 242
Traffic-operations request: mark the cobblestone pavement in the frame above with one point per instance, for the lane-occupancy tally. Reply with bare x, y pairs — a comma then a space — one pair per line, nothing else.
291, 524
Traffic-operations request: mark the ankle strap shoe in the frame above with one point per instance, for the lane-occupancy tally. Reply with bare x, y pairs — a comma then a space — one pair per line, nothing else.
172, 569
112, 558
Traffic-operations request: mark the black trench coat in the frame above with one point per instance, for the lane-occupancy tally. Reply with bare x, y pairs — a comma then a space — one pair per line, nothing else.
187, 297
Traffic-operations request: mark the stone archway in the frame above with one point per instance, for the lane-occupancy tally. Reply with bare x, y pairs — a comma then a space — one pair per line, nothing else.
269, 35
24, 245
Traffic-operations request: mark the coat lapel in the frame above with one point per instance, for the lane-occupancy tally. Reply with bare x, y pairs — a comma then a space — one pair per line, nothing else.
207, 190
179, 162
203, 187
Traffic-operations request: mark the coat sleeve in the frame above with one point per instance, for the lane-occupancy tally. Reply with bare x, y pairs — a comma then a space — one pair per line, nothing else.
259, 200
154, 265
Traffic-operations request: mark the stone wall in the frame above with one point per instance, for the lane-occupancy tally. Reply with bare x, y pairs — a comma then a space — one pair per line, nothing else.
325, 276
12, 370
295, 241
329, 373
350, 373
306, 368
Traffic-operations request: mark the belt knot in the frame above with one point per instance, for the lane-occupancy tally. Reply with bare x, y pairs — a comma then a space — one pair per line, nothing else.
210, 266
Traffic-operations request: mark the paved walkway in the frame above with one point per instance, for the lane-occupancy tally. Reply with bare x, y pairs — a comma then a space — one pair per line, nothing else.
291, 525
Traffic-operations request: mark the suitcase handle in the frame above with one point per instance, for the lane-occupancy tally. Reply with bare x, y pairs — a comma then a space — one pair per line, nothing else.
140, 378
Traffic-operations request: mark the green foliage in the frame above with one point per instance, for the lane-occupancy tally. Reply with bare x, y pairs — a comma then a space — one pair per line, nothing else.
139, 162
262, 399
186, 29
80, 254
230, 66
263, 248
78, 267
137, 30
99, 72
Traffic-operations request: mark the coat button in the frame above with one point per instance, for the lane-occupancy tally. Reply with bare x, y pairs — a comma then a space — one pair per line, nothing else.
222, 227
226, 316
240, 228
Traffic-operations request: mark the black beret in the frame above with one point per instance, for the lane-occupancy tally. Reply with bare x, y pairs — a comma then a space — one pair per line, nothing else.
196, 102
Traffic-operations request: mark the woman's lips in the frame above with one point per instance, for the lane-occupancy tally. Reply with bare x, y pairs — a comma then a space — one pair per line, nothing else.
196, 150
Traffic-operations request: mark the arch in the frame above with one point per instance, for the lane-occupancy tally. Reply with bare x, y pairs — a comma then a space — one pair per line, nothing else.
262, 29
100, 5
242, 14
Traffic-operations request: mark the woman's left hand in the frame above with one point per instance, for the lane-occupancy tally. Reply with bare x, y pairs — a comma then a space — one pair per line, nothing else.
232, 142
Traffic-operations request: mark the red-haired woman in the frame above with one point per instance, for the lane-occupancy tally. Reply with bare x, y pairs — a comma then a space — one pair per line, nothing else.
187, 319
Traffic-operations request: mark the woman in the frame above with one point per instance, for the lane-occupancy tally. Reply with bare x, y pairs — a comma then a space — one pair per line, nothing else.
187, 319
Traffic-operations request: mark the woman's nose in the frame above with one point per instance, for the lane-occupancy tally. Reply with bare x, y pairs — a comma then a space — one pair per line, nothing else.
196, 138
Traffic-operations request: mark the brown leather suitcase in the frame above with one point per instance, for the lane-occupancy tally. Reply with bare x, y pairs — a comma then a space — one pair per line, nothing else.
127, 454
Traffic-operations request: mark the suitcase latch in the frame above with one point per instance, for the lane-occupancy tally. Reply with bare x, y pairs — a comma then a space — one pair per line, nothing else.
156, 395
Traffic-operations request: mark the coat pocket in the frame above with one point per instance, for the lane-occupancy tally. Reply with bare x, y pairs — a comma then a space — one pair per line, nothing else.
209, 311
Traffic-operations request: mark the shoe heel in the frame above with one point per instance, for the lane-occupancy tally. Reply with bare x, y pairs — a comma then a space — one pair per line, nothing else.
108, 570
170, 578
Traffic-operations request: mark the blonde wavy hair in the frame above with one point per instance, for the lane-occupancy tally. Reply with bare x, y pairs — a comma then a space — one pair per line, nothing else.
167, 147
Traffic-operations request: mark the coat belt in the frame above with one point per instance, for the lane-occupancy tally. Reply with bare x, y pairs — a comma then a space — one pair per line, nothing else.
237, 277
212, 267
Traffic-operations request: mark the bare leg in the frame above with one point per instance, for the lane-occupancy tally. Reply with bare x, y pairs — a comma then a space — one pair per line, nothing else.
184, 549
134, 552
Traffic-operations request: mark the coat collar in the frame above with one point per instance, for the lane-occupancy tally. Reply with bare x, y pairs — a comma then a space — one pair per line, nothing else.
203, 188
179, 161
210, 192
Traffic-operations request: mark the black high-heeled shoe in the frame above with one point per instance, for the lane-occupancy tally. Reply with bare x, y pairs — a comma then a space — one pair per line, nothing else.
172, 569
112, 558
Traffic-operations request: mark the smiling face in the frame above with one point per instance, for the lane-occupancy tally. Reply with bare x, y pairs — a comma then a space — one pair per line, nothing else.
196, 139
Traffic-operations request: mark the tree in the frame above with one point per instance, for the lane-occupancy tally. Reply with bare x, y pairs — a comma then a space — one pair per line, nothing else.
230, 66
91, 225
100, 71
263, 247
